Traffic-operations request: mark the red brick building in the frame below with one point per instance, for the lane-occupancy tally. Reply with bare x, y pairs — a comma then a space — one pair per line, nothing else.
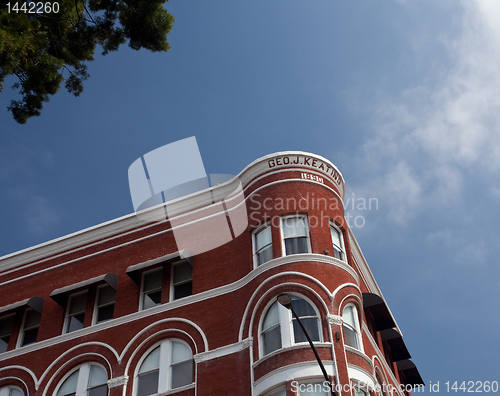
128, 308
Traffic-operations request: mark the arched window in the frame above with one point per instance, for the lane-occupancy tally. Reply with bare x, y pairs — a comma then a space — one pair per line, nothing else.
279, 329
88, 380
11, 391
351, 327
168, 366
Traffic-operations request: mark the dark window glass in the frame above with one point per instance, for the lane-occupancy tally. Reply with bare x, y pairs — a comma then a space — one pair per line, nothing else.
98, 391
272, 339
184, 290
30, 328
296, 245
265, 255
105, 313
76, 322
148, 384
152, 289
311, 326
182, 374
5, 329
76, 312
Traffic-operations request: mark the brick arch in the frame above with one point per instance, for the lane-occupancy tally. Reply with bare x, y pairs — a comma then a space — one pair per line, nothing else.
345, 293
269, 294
149, 339
18, 376
57, 372
301, 283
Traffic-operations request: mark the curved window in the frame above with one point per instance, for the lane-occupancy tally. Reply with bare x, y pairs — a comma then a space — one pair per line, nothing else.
263, 245
338, 243
280, 328
168, 366
89, 380
351, 327
295, 235
11, 391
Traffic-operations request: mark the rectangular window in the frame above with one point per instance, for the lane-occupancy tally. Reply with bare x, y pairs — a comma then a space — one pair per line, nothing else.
338, 243
6, 323
30, 327
151, 288
182, 281
76, 312
105, 304
263, 246
295, 235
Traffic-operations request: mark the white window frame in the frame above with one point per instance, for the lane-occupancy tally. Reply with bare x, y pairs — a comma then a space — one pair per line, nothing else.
286, 325
20, 339
254, 244
357, 330
342, 243
83, 378
172, 285
164, 377
96, 304
143, 275
66, 315
282, 233
5, 390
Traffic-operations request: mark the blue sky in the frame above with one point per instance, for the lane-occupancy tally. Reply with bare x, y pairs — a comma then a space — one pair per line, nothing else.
402, 96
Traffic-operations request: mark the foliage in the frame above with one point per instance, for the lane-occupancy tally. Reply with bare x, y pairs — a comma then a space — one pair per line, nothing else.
45, 49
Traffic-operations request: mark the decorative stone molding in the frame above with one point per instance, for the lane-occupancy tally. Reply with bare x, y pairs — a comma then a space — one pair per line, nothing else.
334, 319
118, 381
223, 351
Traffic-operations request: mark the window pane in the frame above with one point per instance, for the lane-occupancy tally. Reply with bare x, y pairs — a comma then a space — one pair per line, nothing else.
272, 317
182, 374
15, 392
30, 336
302, 307
75, 322
184, 290
180, 352
335, 237
265, 255
350, 337
105, 313
32, 319
272, 339
106, 295
337, 254
6, 325
358, 392
294, 226
296, 245
182, 273
78, 303
148, 384
263, 238
99, 391
69, 385
152, 280
151, 299
151, 362
4, 343
347, 316
97, 376
311, 326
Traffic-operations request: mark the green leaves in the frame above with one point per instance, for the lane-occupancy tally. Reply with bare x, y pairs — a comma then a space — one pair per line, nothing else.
43, 50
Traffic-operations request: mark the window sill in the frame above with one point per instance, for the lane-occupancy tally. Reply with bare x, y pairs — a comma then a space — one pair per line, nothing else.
302, 345
176, 390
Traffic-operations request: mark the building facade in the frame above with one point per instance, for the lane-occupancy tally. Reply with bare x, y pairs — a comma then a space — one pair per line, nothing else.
182, 298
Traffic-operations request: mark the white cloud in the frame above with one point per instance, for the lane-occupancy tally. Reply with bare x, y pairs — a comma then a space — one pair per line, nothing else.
430, 136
